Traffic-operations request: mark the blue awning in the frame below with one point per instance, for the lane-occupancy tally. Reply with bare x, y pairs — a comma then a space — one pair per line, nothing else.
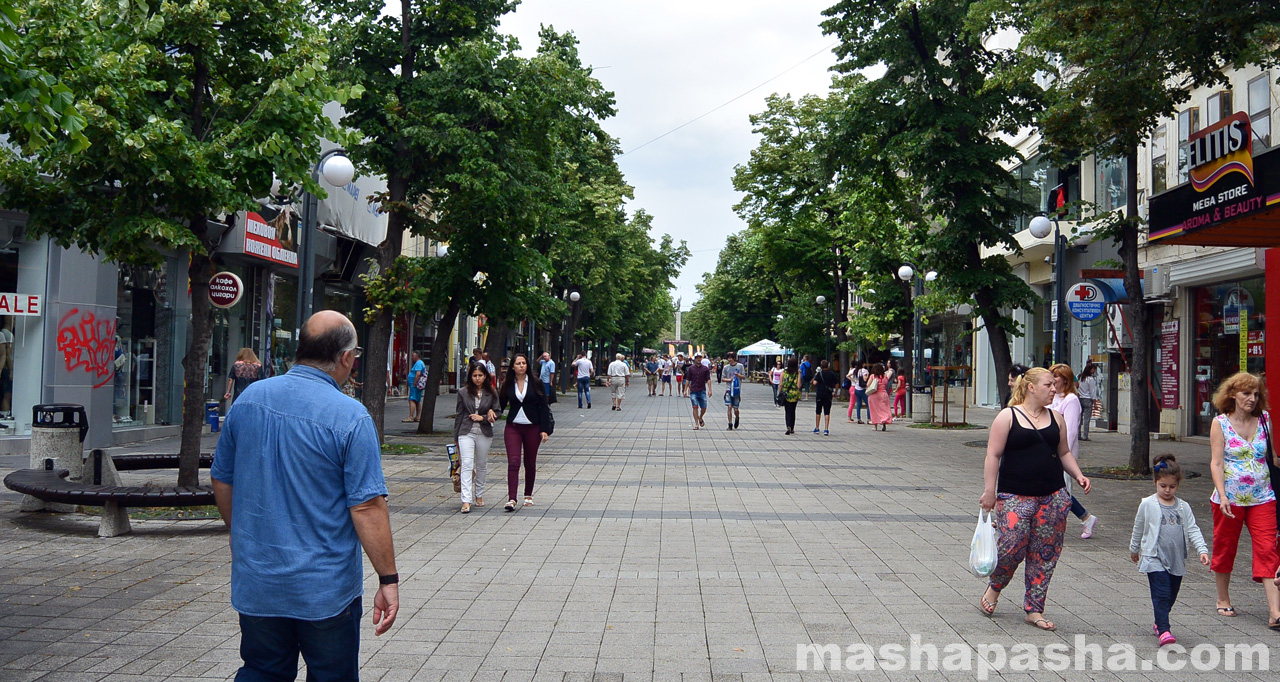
1113, 289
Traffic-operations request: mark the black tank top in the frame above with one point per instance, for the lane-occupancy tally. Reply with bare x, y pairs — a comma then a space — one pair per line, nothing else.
1029, 466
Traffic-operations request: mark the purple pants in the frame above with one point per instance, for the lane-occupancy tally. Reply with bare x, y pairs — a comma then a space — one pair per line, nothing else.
528, 437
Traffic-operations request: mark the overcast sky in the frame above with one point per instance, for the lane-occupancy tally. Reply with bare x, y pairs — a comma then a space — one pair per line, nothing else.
668, 63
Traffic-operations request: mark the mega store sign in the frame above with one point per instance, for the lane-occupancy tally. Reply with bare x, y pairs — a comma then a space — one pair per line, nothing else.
263, 239
1230, 191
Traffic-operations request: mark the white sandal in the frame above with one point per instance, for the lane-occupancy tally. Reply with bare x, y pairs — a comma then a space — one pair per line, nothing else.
528, 501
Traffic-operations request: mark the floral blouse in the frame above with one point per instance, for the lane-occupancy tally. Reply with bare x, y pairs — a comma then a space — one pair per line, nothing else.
1247, 481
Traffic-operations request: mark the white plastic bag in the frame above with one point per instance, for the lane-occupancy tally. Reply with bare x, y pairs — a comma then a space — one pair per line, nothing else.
982, 550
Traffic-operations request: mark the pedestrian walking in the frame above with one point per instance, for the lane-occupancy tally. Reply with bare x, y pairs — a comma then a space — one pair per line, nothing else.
1016, 371
1088, 392
878, 400
651, 375
733, 374
1027, 454
678, 368
297, 476
584, 370
619, 380
1243, 496
899, 393
1067, 404
775, 380
825, 381
529, 425
789, 391
244, 371
473, 431
858, 391
547, 375
1162, 529
664, 373
697, 378
416, 372
806, 374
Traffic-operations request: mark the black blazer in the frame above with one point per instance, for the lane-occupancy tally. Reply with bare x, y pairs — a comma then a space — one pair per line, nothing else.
534, 404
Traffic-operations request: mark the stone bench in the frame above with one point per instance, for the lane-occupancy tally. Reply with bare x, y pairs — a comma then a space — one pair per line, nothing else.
51, 485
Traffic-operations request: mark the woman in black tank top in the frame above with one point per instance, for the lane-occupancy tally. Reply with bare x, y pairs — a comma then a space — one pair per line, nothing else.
1027, 455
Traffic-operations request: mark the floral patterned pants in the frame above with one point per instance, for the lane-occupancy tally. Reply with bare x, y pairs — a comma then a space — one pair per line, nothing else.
1031, 529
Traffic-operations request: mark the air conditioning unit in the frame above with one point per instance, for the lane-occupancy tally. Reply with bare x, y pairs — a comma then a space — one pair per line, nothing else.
1158, 283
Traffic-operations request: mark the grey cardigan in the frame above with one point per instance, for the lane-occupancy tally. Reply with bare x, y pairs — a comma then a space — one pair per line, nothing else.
463, 423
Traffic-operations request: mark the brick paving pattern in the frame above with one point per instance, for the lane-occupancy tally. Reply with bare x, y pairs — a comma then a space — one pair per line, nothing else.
654, 552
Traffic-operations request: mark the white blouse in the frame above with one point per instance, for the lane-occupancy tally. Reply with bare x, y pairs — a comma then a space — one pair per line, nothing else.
520, 394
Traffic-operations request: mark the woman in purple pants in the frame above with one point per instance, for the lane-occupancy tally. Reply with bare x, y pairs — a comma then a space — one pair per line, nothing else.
528, 426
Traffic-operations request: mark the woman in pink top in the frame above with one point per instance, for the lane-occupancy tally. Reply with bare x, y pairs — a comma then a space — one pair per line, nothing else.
775, 380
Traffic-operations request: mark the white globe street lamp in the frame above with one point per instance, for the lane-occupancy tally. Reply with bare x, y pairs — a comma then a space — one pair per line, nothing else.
1040, 227
338, 170
575, 296
931, 276
906, 272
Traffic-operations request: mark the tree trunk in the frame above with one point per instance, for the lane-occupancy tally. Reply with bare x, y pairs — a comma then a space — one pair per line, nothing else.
379, 341
439, 355
496, 341
195, 363
1139, 403
842, 316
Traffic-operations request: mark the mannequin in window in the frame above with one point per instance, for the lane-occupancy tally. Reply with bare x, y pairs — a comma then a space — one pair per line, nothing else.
6, 368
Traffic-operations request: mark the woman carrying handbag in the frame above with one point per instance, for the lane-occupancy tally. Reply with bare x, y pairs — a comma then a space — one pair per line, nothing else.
473, 430
529, 425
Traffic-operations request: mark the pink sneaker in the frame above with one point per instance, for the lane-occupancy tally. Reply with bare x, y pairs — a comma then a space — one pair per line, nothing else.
1089, 524
1167, 638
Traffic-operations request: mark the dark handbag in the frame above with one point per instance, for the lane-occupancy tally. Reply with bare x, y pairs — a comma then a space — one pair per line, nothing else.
1272, 470
550, 421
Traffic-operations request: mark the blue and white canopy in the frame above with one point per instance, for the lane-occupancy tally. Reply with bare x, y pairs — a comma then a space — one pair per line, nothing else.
765, 347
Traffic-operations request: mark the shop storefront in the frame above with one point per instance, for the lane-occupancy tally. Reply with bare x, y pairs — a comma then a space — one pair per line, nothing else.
1232, 200
22, 327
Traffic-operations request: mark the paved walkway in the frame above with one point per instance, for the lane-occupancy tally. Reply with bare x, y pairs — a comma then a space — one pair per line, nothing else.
654, 552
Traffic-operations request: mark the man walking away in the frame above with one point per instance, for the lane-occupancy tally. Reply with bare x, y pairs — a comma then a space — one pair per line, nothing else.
415, 393
548, 376
697, 378
297, 476
651, 376
825, 380
806, 374
619, 380
584, 369
733, 373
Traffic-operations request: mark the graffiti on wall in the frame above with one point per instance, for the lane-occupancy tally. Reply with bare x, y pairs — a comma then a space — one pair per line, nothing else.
87, 342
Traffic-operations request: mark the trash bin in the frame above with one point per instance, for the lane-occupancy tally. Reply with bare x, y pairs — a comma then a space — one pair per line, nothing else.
211, 414
58, 431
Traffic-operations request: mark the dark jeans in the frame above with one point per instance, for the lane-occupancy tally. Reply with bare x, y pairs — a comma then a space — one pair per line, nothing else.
331, 647
584, 386
1078, 509
516, 437
1164, 592
790, 409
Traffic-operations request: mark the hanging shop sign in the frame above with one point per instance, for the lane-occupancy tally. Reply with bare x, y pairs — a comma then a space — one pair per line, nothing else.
225, 289
264, 240
27, 305
1085, 301
1233, 197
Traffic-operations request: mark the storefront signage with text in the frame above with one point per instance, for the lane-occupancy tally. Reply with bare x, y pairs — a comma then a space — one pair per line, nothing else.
261, 240
20, 304
225, 289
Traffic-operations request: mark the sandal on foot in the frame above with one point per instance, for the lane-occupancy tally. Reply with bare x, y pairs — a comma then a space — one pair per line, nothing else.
988, 608
1041, 624
466, 508
479, 501
1227, 611
407, 421
528, 501
509, 506
1273, 623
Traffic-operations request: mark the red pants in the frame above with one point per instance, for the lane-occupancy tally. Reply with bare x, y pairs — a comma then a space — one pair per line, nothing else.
516, 437
1261, 520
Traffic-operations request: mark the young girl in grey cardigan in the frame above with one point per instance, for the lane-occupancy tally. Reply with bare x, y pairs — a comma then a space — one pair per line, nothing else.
1162, 530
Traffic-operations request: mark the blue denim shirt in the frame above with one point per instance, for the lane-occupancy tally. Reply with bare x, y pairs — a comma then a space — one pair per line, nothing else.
298, 455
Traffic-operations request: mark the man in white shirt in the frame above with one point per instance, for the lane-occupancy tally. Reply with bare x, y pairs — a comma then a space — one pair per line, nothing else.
619, 380
584, 369
664, 374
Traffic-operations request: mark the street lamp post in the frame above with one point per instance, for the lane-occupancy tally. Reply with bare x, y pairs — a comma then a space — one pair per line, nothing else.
567, 345
337, 170
907, 273
826, 323
1039, 228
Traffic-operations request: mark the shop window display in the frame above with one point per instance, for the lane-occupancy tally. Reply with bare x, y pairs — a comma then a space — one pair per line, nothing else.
138, 299
22, 271
1230, 327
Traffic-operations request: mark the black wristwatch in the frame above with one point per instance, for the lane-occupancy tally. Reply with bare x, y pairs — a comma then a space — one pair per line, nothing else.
392, 579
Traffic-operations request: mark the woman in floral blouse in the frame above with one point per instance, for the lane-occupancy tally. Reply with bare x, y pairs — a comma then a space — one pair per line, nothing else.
1242, 493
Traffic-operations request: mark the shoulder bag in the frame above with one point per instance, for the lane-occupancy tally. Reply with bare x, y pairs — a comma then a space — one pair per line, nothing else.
1273, 471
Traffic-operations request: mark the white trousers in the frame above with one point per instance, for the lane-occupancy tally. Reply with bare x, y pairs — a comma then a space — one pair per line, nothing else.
474, 450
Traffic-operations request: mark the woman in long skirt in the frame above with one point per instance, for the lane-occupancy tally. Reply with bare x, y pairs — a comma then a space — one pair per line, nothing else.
879, 398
